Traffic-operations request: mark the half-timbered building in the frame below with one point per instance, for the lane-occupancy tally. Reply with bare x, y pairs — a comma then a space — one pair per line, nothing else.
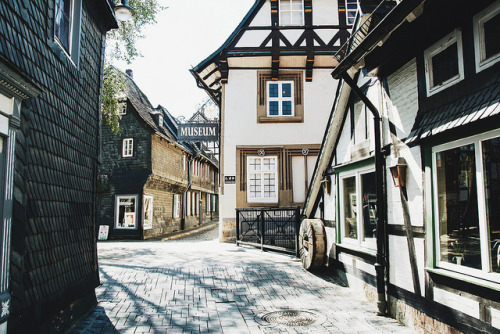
51, 57
150, 184
406, 185
271, 80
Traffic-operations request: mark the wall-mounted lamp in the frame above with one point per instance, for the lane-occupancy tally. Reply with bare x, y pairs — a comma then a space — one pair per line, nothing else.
123, 11
327, 185
398, 172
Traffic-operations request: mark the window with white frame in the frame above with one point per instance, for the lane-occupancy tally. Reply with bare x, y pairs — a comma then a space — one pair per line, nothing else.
467, 203
176, 206
351, 11
444, 64
361, 123
121, 108
486, 32
197, 203
358, 202
125, 211
280, 100
188, 204
128, 147
148, 212
291, 12
67, 26
184, 162
262, 179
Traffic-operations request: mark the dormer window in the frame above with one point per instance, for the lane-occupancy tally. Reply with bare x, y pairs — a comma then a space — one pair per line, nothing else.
444, 64
486, 30
291, 12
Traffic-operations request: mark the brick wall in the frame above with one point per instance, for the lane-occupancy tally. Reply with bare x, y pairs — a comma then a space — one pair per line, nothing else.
53, 258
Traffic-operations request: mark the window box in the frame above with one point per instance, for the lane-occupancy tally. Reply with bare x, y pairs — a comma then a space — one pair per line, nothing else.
486, 32
444, 64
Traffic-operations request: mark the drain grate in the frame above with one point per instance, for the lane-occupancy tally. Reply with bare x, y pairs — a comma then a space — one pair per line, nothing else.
291, 318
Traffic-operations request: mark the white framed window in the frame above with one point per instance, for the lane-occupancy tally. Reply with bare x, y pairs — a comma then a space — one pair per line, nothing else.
358, 203
197, 203
188, 204
127, 147
291, 12
147, 210
466, 174
486, 32
121, 108
67, 27
351, 11
184, 162
125, 212
176, 206
262, 179
444, 65
280, 99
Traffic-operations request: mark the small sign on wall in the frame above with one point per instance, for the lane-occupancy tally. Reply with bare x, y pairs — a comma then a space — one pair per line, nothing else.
229, 179
103, 232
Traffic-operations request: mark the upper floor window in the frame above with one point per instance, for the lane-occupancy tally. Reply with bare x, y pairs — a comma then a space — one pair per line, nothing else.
351, 11
486, 32
291, 12
128, 147
262, 179
466, 197
444, 65
67, 26
280, 101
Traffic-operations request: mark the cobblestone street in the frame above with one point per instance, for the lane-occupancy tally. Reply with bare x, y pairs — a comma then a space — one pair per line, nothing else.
197, 285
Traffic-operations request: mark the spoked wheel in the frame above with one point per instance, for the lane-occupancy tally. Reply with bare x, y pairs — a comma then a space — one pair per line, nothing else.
312, 243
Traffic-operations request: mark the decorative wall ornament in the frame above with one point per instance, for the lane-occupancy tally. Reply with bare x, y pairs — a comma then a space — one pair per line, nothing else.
305, 151
261, 152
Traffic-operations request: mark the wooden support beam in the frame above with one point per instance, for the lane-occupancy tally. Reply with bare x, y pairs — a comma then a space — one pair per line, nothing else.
224, 71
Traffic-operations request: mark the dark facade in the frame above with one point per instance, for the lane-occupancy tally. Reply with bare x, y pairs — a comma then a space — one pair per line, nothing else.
52, 80
147, 176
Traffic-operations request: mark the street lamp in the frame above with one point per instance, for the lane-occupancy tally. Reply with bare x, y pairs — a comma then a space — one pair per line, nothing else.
123, 11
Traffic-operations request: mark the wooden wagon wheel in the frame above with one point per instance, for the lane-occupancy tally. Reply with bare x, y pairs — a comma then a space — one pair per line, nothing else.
312, 243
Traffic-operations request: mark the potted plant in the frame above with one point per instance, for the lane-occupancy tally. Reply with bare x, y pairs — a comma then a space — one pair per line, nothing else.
459, 251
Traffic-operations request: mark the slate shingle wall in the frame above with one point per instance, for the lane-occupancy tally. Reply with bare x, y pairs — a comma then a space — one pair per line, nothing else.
53, 259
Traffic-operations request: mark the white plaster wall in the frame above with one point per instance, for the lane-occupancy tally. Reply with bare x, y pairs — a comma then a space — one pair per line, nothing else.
343, 150
325, 12
457, 302
399, 259
252, 38
263, 17
495, 317
330, 202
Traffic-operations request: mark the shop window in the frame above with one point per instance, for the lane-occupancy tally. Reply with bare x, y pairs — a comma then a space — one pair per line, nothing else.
176, 206
444, 63
281, 100
467, 199
262, 179
291, 12
126, 208
358, 200
148, 212
67, 27
127, 147
486, 32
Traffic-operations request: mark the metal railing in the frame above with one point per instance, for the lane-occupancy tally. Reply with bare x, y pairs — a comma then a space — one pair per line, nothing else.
269, 228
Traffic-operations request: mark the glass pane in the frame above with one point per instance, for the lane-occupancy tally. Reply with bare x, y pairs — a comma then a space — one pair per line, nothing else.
350, 201
369, 193
491, 33
273, 90
285, 18
273, 108
285, 5
62, 22
269, 185
254, 164
458, 209
286, 90
297, 5
286, 108
268, 164
126, 212
491, 160
445, 65
297, 18
254, 186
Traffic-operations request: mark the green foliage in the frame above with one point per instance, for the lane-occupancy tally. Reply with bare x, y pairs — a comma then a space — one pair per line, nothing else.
121, 46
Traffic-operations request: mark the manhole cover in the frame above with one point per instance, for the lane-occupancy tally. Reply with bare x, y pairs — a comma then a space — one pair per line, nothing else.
291, 318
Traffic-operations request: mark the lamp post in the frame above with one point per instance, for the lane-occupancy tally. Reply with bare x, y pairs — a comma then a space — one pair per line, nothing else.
123, 11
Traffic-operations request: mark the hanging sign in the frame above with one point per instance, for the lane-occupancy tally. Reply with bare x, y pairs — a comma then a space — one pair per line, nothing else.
198, 132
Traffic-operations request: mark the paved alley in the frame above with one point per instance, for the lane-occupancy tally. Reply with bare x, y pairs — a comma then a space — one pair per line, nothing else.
197, 285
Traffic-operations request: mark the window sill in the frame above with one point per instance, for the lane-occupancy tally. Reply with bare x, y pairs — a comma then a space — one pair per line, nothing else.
281, 119
461, 278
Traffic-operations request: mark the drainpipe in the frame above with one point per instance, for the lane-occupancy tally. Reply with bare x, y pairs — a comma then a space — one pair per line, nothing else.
184, 199
380, 176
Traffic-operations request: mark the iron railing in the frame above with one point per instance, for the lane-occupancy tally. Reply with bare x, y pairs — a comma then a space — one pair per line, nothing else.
269, 228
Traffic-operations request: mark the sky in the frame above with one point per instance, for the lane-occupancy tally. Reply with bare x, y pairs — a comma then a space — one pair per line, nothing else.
186, 33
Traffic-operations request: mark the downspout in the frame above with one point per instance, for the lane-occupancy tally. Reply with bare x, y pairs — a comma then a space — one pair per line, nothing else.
380, 182
184, 199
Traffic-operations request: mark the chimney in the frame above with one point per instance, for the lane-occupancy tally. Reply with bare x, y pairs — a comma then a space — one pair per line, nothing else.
130, 73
